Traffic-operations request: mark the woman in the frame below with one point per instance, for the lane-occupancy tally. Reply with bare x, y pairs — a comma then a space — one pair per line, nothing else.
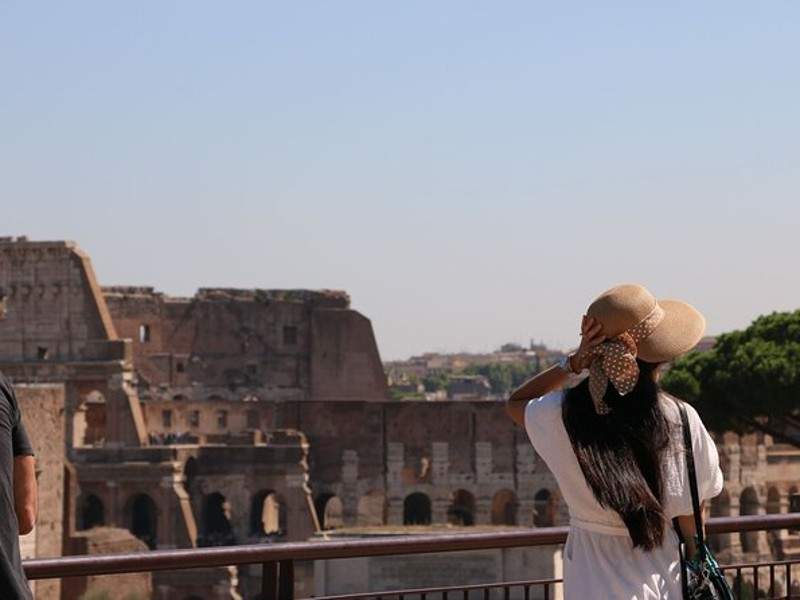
614, 445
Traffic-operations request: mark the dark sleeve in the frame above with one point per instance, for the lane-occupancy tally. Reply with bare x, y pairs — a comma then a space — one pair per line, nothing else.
20, 442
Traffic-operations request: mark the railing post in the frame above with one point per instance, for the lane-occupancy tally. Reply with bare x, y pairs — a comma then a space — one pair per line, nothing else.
269, 581
286, 580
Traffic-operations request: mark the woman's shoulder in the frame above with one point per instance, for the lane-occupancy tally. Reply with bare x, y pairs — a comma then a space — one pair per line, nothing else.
669, 406
545, 408
543, 419
701, 438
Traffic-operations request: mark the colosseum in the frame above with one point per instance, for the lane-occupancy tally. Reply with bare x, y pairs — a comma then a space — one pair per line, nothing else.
241, 416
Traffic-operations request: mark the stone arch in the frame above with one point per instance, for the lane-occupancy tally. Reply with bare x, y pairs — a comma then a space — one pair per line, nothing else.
720, 507
417, 509
504, 508
267, 514
544, 509
216, 523
773, 506
329, 511
89, 420
372, 509
773, 501
189, 474
462, 508
749, 505
91, 512
143, 519
794, 501
319, 506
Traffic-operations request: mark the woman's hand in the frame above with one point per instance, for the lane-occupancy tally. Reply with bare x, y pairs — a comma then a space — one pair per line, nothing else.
555, 377
591, 336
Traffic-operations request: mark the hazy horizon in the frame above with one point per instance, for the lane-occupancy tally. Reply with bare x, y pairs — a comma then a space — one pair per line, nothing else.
470, 175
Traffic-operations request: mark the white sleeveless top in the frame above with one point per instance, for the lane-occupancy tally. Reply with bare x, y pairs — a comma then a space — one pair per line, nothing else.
599, 559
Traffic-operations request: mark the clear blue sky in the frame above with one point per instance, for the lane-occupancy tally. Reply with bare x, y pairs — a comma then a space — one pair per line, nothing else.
472, 173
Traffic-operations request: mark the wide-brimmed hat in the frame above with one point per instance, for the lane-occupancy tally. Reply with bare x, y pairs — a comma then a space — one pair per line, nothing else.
675, 332
636, 325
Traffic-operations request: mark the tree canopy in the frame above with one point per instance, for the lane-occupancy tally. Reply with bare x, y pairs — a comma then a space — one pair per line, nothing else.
503, 377
749, 379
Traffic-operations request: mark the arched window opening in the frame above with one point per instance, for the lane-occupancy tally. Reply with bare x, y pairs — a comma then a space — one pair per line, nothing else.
774, 537
329, 511
417, 509
720, 507
794, 504
504, 508
143, 519
462, 509
144, 333
92, 513
89, 421
749, 505
189, 474
217, 530
773, 501
267, 515
372, 509
544, 513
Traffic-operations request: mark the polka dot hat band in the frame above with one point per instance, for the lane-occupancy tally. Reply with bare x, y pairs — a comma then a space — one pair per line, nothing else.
616, 360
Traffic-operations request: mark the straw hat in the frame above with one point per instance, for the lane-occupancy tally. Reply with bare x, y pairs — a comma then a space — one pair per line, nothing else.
671, 327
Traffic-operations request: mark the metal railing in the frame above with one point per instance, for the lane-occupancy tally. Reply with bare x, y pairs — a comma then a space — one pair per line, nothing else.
277, 560
749, 575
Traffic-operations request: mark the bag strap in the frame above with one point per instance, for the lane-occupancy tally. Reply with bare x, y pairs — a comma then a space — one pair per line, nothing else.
692, 471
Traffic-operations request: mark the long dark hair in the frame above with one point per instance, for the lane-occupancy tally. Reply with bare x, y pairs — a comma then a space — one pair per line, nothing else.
620, 453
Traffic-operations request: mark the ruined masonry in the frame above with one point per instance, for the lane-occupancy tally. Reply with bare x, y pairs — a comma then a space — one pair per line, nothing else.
241, 416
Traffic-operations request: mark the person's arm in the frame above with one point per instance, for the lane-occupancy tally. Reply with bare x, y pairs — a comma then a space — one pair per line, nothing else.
554, 377
689, 531
538, 385
25, 493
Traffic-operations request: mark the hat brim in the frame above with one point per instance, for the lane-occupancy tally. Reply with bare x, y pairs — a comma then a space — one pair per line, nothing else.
680, 331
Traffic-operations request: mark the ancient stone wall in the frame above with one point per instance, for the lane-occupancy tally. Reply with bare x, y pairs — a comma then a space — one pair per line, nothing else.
42, 409
272, 344
163, 493
367, 453
107, 540
54, 308
345, 364
283, 398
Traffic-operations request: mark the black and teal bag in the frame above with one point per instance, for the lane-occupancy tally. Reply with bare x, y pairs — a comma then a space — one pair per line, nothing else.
701, 577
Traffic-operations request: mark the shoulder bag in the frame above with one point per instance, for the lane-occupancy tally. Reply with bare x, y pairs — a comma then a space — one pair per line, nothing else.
701, 577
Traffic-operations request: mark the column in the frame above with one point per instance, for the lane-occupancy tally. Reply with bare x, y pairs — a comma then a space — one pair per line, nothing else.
349, 487
395, 460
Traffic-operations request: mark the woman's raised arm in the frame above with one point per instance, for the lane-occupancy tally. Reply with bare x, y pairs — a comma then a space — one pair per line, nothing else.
554, 377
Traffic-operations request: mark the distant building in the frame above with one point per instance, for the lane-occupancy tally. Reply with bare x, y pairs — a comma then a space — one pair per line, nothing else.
537, 357
468, 387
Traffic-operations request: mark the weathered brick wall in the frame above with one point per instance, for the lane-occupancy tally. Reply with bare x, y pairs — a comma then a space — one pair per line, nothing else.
53, 302
107, 540
261, 342
367, 427
345, 364
372, 455
43, 415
